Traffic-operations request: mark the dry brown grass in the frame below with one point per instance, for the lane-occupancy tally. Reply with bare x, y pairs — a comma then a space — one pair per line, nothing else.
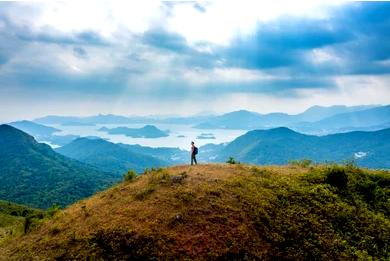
200, 218
166, 210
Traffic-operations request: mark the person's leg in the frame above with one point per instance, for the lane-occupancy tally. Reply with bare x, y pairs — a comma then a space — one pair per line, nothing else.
192, 159
196, 163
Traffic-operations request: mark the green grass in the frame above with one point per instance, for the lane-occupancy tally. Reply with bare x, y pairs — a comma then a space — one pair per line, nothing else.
17, 219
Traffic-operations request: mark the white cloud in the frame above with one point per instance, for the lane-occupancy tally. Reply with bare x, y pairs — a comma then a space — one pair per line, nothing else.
224, 19
199, 76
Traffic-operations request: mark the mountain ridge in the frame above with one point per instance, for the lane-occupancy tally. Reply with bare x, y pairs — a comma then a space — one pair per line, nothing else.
42, 177
280, 145
108, 156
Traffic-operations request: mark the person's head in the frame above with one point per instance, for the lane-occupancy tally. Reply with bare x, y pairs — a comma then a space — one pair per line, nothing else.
192, 143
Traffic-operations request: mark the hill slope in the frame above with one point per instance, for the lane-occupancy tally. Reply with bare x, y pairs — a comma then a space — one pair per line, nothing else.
223, 212
17, 219
108, 156
32, 173
279, 145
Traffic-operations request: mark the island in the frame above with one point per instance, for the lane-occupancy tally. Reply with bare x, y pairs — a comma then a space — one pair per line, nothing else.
148, 131
206, 136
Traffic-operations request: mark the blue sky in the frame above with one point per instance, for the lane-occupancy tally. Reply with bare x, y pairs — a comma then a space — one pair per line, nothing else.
185, 57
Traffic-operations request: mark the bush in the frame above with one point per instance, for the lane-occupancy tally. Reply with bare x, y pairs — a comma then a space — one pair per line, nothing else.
53, 210
145, 192
301, 163
231, 160
130, 175
158, 176
336, 177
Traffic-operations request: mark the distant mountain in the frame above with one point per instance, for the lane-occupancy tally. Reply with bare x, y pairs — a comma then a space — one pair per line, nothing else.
108, 156
248, 120
73, 123
97, 119
233, 120
210, 152
148, 131
117, 119
316, 113
37, 130
374, 118
32, 173
171, 156
279, 145
43, 133
175, 156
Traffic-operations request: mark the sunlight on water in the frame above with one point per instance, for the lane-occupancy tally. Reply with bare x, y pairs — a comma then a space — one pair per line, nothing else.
175, 138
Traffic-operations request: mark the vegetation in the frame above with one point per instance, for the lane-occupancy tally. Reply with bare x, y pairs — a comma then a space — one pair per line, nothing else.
279, 145
108, 156
304, 163
231, 160
130, 175
224, 212
17, 219
32, 173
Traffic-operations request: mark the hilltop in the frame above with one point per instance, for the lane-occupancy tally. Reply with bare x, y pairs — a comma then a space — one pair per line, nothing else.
223, 212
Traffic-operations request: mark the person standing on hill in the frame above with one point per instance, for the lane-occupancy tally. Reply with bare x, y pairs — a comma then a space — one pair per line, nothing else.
194, 151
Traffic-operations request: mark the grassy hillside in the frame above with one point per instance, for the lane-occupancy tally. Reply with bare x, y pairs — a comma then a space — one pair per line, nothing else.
223, 212
17, 219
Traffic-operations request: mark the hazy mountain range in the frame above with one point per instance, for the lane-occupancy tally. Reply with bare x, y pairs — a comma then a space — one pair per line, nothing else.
315, 120
43, 133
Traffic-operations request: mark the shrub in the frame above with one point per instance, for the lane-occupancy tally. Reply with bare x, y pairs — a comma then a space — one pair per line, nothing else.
231, 160
53, 210
159, 176
130, 175
145, 192
301, 163
336, 177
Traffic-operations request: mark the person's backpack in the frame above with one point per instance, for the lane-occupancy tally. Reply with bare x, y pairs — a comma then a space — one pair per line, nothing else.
195, 150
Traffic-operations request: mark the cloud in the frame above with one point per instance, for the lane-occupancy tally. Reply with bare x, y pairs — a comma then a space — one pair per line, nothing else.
80, 52
179, 51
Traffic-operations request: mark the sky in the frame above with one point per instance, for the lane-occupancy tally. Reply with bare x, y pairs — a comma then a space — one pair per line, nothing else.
187, 57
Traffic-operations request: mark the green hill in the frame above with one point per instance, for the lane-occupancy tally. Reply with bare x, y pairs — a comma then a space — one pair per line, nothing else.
32, 173
279, 145
108, 156
223, 212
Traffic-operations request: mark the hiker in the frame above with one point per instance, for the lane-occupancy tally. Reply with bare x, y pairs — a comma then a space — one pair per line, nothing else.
194, 151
